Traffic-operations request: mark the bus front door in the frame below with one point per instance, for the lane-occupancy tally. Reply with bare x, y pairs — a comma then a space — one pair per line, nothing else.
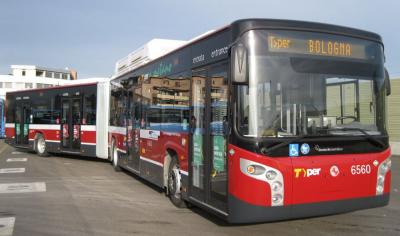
22, 117
71, 124
207, 165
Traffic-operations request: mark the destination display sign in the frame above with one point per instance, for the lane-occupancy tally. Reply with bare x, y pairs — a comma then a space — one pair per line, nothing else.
318, 44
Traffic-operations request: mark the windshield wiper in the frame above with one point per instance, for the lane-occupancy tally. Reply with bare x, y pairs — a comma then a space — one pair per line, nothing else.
366, 135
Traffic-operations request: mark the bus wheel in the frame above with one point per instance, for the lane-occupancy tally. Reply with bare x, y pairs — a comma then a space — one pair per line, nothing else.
114, 156
174, 184
41, 148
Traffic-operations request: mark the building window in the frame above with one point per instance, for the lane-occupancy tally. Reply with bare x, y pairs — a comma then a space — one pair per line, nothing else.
29, 85
57, 75
8, 85
64, 76
23, 73
20, 85
1, 84
49, 74
39, 85
39, 73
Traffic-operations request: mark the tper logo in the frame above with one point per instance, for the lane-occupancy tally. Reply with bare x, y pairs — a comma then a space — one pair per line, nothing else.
306, 172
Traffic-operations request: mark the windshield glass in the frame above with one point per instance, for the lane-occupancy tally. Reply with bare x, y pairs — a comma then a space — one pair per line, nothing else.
311, 84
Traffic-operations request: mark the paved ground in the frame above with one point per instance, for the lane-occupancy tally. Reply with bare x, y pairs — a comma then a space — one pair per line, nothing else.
81, 196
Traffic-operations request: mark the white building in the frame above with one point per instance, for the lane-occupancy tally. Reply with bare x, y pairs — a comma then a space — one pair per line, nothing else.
30, 77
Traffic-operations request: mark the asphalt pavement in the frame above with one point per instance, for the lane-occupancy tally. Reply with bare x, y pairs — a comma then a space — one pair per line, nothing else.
67, 195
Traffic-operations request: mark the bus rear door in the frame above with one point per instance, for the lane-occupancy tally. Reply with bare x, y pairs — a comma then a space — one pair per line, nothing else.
22, 116
71, 124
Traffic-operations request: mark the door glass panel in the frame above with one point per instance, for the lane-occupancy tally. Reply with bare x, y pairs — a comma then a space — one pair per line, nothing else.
137, 118
76, 123
18, 121
197, 129
64, 123
218, 128
25, 124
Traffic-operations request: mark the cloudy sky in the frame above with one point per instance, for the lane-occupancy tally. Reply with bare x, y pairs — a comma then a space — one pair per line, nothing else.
91, 35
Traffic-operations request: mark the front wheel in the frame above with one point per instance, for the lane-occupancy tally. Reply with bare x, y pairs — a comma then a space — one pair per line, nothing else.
114, 156
41, 148
174, 185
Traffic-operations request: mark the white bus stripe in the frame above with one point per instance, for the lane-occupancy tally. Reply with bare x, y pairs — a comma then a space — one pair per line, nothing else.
10, 125
151, 161
88, 128
46, 126
88, 143
118, 130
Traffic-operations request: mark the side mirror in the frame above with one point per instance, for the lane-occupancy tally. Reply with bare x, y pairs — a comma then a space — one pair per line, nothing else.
387, 83
239, 63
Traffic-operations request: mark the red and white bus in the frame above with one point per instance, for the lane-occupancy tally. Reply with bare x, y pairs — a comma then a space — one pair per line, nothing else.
59, 119
261, 120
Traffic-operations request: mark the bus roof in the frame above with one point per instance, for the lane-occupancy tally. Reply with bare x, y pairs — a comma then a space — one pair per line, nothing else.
241, 26
53, 88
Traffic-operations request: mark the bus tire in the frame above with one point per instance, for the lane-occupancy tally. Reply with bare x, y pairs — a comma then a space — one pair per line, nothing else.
114, 156
40, 146
174, 185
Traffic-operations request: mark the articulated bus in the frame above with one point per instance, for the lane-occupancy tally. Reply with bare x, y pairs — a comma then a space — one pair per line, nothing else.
261, 120
59, 119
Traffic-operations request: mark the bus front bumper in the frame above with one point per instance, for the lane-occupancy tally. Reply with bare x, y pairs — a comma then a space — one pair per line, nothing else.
242, 212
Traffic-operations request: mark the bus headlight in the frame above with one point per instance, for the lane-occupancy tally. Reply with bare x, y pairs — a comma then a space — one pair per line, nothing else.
271, 175
267, 174
255, 169
276, 199
276, 186
383, 168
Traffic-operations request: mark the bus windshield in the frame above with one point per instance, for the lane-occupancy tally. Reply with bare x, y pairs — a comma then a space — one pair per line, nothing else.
304, 84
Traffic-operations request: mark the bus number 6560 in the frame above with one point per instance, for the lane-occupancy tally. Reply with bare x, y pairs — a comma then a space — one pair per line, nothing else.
360, 169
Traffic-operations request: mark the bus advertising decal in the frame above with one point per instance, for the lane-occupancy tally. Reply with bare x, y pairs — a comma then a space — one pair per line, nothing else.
150, 134
197, 149
219, 153
65, 131
76, 132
